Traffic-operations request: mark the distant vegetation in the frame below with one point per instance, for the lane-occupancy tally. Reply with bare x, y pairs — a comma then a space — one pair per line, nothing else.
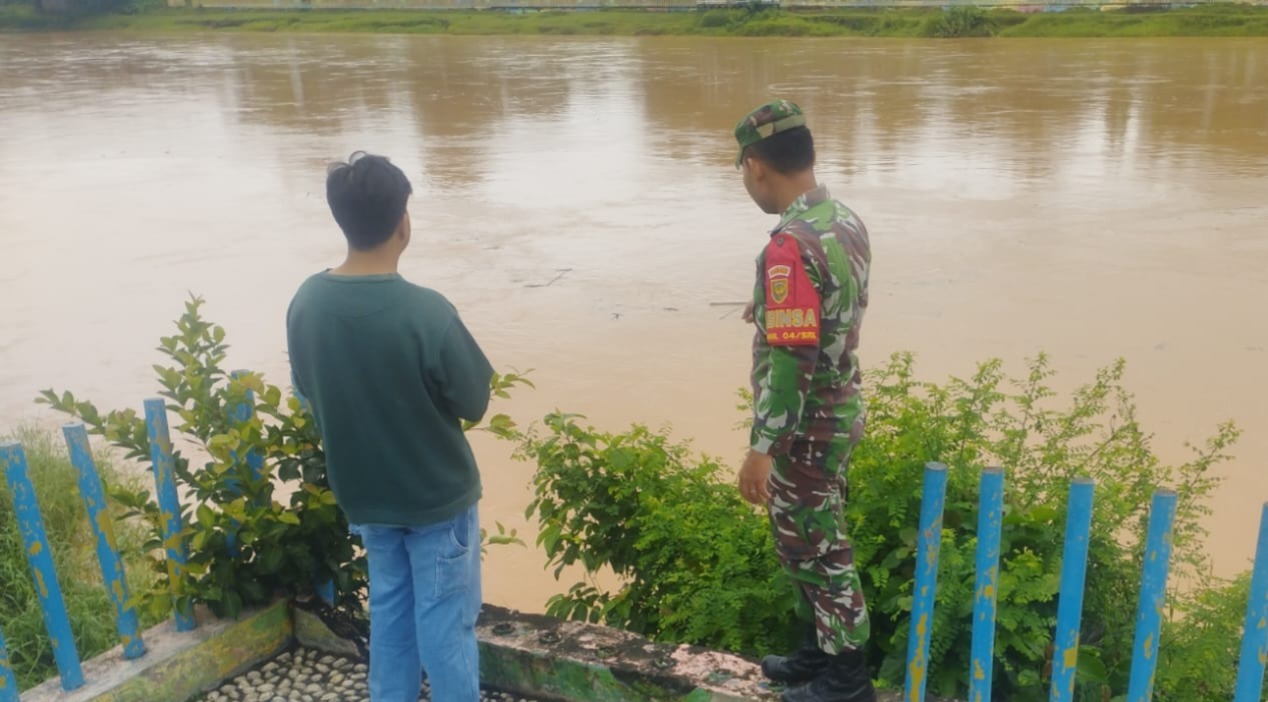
142, 15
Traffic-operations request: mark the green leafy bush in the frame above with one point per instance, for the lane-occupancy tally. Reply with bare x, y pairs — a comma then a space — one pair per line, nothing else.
961, 21
697, 565
246, 546
694, 558
716, 19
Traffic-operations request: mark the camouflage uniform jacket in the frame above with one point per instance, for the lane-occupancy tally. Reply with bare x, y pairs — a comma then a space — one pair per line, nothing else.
809, 300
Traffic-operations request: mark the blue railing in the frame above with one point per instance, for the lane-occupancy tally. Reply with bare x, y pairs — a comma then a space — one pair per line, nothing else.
38, 554
13, 462
1153, 586
8, 681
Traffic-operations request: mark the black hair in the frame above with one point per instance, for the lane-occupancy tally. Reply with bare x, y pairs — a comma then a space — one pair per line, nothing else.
367, 195
787, 152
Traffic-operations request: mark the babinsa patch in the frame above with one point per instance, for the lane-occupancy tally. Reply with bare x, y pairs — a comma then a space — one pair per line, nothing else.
792, 302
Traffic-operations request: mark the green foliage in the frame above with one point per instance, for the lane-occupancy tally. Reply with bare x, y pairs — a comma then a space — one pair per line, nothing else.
1203, 20
780, 25
694, 558
980, 421
1214, 20
960, 21
1197, 648
23, 17
73, 546
696, 565
716, 19
502, 538
246, 545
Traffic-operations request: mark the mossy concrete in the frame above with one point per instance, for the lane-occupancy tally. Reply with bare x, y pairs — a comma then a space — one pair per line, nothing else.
546, 658
179, 665
524, 654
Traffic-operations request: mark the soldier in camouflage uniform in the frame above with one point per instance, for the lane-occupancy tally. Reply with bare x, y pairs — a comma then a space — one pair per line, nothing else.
808, 306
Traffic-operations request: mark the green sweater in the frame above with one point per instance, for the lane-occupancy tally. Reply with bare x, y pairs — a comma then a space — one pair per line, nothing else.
390, 372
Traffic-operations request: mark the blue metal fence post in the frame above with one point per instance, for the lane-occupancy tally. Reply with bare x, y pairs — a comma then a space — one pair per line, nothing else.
8, 681
35, 542
926, 588
169, 506
242, 413
1078, 526
94, 497
1153, 596
1250, 666
990, 520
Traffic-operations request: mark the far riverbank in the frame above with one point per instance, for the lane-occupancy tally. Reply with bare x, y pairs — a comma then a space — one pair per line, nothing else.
1203, 21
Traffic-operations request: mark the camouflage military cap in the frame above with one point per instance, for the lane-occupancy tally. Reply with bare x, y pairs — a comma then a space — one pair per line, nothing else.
769, 119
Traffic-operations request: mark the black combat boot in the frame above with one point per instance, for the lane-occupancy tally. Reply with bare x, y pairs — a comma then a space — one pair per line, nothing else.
804, 665
846, 679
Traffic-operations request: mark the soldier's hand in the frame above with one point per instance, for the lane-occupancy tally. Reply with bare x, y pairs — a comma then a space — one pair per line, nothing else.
748, 312
754, 478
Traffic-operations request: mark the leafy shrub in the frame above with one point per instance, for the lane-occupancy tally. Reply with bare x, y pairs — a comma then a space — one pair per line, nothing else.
697, 565
716, 19
695, 560
778, 25
246, 547
959, 22
1197, 649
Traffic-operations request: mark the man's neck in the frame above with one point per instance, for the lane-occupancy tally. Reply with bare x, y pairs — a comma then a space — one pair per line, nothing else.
793, 187
368, 263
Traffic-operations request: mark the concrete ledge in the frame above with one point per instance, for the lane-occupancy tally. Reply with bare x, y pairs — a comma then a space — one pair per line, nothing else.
180, 665
531, 655
576, 662
545, 658
312, 633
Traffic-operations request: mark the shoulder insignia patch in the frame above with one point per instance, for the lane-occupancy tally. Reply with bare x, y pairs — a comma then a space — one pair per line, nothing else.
792, 303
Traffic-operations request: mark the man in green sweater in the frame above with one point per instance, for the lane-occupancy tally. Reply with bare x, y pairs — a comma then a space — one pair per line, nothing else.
391, 372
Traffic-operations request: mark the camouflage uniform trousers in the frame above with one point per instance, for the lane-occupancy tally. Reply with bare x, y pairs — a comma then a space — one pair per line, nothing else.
807, 516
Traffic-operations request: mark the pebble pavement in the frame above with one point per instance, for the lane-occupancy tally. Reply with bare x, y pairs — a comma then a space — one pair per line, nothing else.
305, 675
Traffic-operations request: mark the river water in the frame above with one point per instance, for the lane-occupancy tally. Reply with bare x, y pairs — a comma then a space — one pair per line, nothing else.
575, 199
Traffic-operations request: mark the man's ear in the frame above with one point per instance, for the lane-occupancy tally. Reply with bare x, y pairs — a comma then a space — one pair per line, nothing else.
403, 229
756, 169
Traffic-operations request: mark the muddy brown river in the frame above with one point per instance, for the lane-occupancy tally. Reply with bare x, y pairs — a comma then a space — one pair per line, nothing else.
576, 200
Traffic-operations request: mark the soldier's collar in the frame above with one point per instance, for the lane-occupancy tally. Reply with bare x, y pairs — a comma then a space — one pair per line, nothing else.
803, 204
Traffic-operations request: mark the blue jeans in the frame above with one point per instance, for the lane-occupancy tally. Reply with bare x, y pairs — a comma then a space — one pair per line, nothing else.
424, 600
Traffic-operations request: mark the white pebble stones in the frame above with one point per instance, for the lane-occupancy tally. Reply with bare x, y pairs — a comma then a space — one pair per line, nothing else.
305, 675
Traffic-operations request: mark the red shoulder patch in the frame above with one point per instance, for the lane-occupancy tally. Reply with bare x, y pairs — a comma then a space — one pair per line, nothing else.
792, 303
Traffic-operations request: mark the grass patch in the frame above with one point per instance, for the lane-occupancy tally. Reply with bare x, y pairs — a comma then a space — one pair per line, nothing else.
1206, 20
25, 18
74, 552
960, 22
